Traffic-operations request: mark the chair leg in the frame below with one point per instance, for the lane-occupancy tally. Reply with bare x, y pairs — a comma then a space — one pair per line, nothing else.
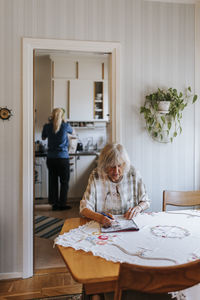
118, 294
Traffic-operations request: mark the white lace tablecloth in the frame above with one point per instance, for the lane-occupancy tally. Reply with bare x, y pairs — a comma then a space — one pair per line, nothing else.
164, 238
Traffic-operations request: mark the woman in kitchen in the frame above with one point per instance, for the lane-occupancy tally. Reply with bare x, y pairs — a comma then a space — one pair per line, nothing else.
56, 131
114, 187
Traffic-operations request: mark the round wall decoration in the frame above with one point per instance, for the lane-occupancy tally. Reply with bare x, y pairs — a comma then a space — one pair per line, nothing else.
5, 113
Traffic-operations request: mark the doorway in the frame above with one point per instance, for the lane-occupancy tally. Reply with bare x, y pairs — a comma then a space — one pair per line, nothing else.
87, 75
29, 45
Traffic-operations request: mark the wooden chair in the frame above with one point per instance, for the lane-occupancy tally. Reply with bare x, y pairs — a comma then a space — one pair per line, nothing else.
185, 198
157, 280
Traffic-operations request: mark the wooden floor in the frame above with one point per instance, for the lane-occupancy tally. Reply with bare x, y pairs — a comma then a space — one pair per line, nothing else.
51, 277
46, 283
45, 255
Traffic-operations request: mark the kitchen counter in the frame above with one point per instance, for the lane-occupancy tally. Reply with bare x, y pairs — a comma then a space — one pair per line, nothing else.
78, 153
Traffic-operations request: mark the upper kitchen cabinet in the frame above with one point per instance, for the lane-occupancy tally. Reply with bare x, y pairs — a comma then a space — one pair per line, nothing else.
60, 94
94, 69
64, 68
76, 81
81, 100
101, 105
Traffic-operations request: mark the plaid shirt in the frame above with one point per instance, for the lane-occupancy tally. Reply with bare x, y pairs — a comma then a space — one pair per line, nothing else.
103, 195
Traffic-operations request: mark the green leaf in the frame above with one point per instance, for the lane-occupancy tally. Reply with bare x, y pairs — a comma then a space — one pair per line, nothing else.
142, 109
157, 125
180, 128
194, 98
171, 139
169, 125
163, 119
189, 89
161, 137
155, 134
175, 134
151, 121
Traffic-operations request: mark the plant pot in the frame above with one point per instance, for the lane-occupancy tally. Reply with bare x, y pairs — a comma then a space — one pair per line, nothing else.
163, 106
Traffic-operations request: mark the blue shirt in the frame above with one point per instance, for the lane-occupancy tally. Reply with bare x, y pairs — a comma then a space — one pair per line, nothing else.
57, 142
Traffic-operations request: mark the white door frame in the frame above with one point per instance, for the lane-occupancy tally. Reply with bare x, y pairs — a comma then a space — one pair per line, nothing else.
197, 104
29, 45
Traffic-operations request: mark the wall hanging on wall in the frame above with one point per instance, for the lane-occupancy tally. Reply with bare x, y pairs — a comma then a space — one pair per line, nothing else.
5, 113
163, 112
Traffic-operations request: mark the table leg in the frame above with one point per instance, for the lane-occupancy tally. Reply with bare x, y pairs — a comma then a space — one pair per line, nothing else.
85, 296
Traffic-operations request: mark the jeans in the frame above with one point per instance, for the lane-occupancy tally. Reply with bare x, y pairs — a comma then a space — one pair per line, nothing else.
58, 169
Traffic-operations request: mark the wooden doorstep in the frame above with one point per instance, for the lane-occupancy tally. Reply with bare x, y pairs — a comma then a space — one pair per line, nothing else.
50, 270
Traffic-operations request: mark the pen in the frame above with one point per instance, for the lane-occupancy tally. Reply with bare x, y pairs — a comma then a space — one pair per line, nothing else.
106, 215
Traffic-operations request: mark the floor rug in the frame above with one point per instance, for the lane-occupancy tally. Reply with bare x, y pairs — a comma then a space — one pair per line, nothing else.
48, 227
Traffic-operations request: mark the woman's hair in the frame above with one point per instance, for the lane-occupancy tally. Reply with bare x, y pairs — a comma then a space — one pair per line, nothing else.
57, 118
112, 155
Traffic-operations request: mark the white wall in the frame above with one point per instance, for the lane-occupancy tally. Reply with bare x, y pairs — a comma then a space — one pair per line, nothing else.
157, 50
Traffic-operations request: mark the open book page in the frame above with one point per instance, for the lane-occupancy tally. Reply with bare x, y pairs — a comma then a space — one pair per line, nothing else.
120, 224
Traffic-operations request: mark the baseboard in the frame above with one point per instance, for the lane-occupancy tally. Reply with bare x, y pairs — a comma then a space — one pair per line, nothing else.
10, 275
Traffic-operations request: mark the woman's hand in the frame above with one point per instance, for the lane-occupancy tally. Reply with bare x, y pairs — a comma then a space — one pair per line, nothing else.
132, 212
98, 217
105, 221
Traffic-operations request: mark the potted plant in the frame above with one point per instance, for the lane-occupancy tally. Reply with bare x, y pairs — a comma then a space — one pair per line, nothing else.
163, 112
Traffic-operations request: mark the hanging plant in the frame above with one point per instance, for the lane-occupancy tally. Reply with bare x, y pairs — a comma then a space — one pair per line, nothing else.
163, 112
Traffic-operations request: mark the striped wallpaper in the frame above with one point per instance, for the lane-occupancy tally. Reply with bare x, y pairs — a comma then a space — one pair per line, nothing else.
158, 46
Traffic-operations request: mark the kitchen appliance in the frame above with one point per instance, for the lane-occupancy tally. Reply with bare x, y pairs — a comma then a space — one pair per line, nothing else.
79, 146
72, 143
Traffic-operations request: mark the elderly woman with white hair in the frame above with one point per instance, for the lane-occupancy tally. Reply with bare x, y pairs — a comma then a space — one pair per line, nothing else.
56, 131
114, 187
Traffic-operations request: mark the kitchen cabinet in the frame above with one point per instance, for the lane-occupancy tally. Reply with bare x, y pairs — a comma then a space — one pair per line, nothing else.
84, 166
64, 68
72, 180
80, 168
101, 109
41, 178
60, 91
90, 70
75, 96
81, 100
73, 81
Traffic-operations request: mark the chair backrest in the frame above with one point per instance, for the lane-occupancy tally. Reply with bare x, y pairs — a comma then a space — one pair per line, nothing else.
156, 280
184, 198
